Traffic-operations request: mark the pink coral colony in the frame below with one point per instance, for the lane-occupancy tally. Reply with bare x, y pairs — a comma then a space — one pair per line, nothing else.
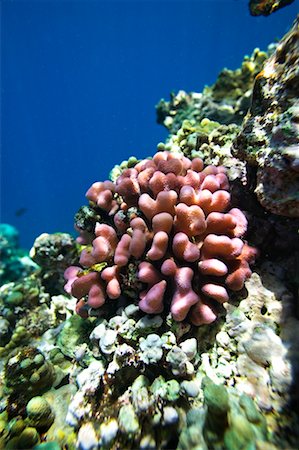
171, 217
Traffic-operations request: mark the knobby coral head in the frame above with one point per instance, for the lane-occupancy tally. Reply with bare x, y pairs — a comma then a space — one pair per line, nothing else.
169, 218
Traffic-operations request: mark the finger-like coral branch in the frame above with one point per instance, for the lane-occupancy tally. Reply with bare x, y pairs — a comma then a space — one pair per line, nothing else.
169, 219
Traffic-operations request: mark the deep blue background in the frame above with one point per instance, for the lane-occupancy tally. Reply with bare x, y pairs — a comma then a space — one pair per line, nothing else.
79, 82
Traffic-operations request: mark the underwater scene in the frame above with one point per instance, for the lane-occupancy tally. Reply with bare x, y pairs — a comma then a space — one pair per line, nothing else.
149, 219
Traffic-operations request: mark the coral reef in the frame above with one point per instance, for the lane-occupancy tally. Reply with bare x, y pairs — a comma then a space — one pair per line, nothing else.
26, 374
226, 102
30, 318
39, 413
15, 301
266, 7
157, 384
274, 236
269, 138
170, 219
27, 308
210, 141
14, 262
54, 253
132, 373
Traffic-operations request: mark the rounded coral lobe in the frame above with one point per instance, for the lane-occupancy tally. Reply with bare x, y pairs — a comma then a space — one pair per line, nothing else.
168, 218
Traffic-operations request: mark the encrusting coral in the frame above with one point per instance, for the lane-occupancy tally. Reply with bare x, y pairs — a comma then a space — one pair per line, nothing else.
54, 253
266, 7
170, 217
269, 136
226, 101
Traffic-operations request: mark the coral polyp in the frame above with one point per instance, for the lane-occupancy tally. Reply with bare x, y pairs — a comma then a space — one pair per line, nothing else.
170, 217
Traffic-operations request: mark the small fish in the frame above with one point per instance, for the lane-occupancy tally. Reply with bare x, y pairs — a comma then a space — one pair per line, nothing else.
19, 212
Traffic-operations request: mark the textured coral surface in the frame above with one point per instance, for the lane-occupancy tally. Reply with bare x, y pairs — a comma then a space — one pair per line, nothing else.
266, 7
170, 217
269, 138
226, 101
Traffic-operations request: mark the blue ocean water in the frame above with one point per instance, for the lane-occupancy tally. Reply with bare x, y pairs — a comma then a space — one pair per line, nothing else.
80, 80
